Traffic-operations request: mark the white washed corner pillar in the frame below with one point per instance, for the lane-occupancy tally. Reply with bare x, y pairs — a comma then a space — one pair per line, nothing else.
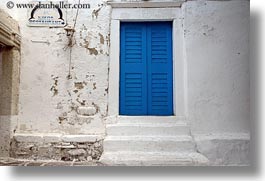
148, 11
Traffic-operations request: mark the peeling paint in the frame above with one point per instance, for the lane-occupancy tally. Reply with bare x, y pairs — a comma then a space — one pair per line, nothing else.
96, 11
61, 119
93, 51
96, 106
82, 103
79, 85
108, 40
90, 77
102, 41
54, 88
94, 86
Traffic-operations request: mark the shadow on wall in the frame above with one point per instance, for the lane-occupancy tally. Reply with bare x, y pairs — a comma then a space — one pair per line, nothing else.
251, 171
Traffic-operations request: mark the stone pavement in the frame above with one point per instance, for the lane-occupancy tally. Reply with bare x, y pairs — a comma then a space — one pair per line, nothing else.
19, 162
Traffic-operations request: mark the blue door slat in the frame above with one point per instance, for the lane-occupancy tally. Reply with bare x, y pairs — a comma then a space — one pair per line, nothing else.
146, 69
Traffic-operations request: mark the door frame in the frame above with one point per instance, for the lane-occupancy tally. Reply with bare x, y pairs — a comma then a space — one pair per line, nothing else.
179, 61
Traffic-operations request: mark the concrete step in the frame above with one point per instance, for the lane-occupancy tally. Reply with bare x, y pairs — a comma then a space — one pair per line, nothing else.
148, 129
149, 143
153, 159
149, 119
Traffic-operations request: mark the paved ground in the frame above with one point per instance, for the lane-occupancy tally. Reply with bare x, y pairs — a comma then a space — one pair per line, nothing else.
15, 162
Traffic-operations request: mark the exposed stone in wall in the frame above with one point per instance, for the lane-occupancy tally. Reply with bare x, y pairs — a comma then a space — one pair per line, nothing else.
56, 148
5, 135
87, 111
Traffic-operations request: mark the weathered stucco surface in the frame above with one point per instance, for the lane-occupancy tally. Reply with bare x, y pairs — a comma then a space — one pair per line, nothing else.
216, 41
217, 55
49, 98
9, 79
54, 100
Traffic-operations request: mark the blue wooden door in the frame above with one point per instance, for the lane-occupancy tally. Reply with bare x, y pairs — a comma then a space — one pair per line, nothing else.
146, 68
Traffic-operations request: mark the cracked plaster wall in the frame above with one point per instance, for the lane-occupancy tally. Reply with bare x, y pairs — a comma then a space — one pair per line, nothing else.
49, 98
216, 48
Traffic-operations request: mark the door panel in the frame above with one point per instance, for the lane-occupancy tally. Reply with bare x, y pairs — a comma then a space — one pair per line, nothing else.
133, 67
146, 69
160, 70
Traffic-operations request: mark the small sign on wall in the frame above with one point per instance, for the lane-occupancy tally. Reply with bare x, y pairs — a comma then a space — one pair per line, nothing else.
46, 13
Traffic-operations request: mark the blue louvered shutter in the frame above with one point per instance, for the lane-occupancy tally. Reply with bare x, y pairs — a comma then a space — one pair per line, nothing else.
146, 69
160, 68
133, 66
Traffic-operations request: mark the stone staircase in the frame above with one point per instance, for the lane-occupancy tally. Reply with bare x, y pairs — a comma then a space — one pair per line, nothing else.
150, 142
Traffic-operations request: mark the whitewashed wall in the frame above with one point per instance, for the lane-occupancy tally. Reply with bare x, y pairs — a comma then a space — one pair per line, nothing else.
216, 37
48, 99
217, 70
217, 56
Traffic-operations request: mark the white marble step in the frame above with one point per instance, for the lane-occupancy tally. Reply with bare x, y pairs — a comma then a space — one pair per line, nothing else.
148, 129
129, 158
149, 143
149, 119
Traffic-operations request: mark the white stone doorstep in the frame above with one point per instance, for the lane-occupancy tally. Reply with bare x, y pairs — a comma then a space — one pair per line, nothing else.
55, 138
